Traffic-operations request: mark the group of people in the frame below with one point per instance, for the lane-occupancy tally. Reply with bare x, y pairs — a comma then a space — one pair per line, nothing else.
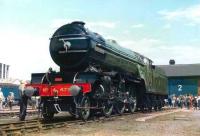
6, 101
187, 101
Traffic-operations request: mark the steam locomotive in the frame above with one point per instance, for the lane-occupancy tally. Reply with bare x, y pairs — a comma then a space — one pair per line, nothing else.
96, 75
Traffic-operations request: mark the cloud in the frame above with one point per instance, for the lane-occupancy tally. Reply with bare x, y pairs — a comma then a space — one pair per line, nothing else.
160, 52
191, 14
25, 52
105, 24
142, 46
167, 26
190, 24
143, 42
137, 26
183, 54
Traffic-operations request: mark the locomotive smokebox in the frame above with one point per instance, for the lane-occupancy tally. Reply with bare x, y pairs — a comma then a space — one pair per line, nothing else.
69, 46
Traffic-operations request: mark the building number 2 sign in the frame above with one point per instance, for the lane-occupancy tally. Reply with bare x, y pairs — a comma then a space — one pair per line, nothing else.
180, 88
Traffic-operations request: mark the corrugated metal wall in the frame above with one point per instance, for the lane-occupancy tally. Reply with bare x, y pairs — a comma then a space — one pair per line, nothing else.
15, 89
183, 86
199, 87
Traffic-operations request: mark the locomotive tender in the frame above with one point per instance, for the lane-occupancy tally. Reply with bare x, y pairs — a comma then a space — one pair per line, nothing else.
96, 75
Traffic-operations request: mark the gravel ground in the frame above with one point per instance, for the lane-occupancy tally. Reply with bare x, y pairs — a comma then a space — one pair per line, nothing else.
180, 123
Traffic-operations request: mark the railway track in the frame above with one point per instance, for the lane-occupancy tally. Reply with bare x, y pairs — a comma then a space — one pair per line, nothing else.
20, 128
12, 114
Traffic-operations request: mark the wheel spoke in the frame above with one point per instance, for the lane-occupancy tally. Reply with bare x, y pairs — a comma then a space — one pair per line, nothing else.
132, 104
85, 111
120, 107
107, 108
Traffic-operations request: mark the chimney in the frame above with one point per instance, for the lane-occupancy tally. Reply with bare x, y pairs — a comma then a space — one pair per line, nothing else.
171, 62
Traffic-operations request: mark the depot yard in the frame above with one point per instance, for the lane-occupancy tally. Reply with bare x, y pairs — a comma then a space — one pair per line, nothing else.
7, 115
178, 122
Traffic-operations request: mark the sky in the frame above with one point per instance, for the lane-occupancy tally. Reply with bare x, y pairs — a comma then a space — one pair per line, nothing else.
158, 29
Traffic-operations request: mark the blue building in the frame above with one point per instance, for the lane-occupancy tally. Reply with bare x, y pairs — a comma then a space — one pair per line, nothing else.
6, 88
183, 78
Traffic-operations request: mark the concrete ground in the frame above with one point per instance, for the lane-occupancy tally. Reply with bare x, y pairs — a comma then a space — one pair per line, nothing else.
165, 123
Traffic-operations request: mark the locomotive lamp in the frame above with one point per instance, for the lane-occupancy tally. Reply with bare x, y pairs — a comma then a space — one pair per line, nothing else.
30, 91
55, 93
74, 90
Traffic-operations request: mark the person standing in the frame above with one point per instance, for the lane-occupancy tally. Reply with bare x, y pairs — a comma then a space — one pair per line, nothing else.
174, 101
23, 101
170, 101
2, 99
10, 100
181, 101
191, 99
194, 103
198, 102
187, 102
